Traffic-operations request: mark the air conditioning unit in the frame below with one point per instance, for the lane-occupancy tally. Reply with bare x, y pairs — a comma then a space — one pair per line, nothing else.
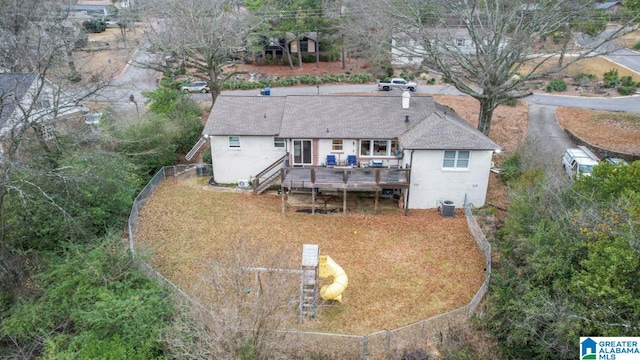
244, 184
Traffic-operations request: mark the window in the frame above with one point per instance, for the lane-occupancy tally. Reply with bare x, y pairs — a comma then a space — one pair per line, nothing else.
277, 142
378, 147
456, 159
460, 42
234, 141
336, 145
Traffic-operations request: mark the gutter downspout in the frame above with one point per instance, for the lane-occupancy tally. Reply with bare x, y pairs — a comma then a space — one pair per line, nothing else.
406, 205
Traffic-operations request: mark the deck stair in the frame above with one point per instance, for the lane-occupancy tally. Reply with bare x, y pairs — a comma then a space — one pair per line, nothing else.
269, 175
194, 150
309, 281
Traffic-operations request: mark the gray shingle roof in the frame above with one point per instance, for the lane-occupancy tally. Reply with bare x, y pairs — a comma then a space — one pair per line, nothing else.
444, 130
607, 5
13, 87
353, 116
246, 115
430, 125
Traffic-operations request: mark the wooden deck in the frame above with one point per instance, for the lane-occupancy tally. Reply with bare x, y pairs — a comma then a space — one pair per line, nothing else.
344, 178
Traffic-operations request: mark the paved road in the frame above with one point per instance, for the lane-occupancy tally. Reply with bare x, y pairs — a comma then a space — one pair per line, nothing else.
629, 104
627, 58
133, 81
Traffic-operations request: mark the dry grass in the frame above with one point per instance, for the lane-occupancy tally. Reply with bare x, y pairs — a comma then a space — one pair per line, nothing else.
106, 61
596, 66
401, 269
613, 131
629, 40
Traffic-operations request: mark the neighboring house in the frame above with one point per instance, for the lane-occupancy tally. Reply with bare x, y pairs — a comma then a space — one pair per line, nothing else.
275, 46
611, 7
405, 50
433, 153
88, 12
28, 99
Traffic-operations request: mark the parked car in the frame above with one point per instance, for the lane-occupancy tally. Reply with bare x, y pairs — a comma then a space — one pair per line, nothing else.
579, 161
198, 86
399, 83
615, 161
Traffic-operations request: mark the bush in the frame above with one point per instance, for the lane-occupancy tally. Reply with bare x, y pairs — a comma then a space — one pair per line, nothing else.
389, 70
636, 46
511, 169
611, 78
627, 81
626, 90
94, 26
556, 85
94, 303
407, 76
431, 81
511, 102
583, 76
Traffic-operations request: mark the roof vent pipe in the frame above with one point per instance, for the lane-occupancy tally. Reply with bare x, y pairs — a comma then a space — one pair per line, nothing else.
406, 119
405, 99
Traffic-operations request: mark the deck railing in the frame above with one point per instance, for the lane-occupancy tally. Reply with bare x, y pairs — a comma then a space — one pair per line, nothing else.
341, 177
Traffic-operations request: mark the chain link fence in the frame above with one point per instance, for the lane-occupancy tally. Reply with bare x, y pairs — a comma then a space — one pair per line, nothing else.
378, 345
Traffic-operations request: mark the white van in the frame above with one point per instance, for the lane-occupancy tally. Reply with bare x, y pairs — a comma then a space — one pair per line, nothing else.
579, 161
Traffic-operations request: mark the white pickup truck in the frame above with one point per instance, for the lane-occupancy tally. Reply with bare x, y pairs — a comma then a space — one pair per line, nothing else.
399, 83
579, 161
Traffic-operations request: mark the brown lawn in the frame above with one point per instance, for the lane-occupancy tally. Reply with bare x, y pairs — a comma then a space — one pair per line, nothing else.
596, 66
401, 269
609, 130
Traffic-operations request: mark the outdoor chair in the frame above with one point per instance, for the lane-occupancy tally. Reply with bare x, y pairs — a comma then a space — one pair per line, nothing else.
351, 160
331, 160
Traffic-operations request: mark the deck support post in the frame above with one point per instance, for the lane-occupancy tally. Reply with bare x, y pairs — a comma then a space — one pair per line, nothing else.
282, 175
313, 201
375, 207
344, 201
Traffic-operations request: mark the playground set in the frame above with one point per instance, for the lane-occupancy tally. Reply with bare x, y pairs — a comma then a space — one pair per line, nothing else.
315, 267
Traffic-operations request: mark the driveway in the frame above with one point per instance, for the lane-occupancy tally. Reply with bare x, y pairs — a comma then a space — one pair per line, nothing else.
546, 141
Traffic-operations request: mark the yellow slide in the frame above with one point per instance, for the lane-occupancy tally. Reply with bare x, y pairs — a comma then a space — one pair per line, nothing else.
333, 291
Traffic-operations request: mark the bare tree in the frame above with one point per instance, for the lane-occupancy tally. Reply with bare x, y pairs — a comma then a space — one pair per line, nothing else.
207, 36
41, 110
481, 47
248, 294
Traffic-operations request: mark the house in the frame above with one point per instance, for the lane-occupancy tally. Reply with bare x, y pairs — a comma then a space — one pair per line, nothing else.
406, 50
275, 46
28, 99
406, 145
610, 7
88, 12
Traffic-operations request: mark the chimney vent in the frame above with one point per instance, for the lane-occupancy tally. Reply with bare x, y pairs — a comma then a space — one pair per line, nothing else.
405, 99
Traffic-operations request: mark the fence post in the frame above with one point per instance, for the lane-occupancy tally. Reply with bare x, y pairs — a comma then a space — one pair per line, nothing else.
364, 345
388, 340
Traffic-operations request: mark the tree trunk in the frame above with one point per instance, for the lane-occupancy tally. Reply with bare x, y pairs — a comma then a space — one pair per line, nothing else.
286, 50
299, 54
562, 52
318, 50
487, 105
